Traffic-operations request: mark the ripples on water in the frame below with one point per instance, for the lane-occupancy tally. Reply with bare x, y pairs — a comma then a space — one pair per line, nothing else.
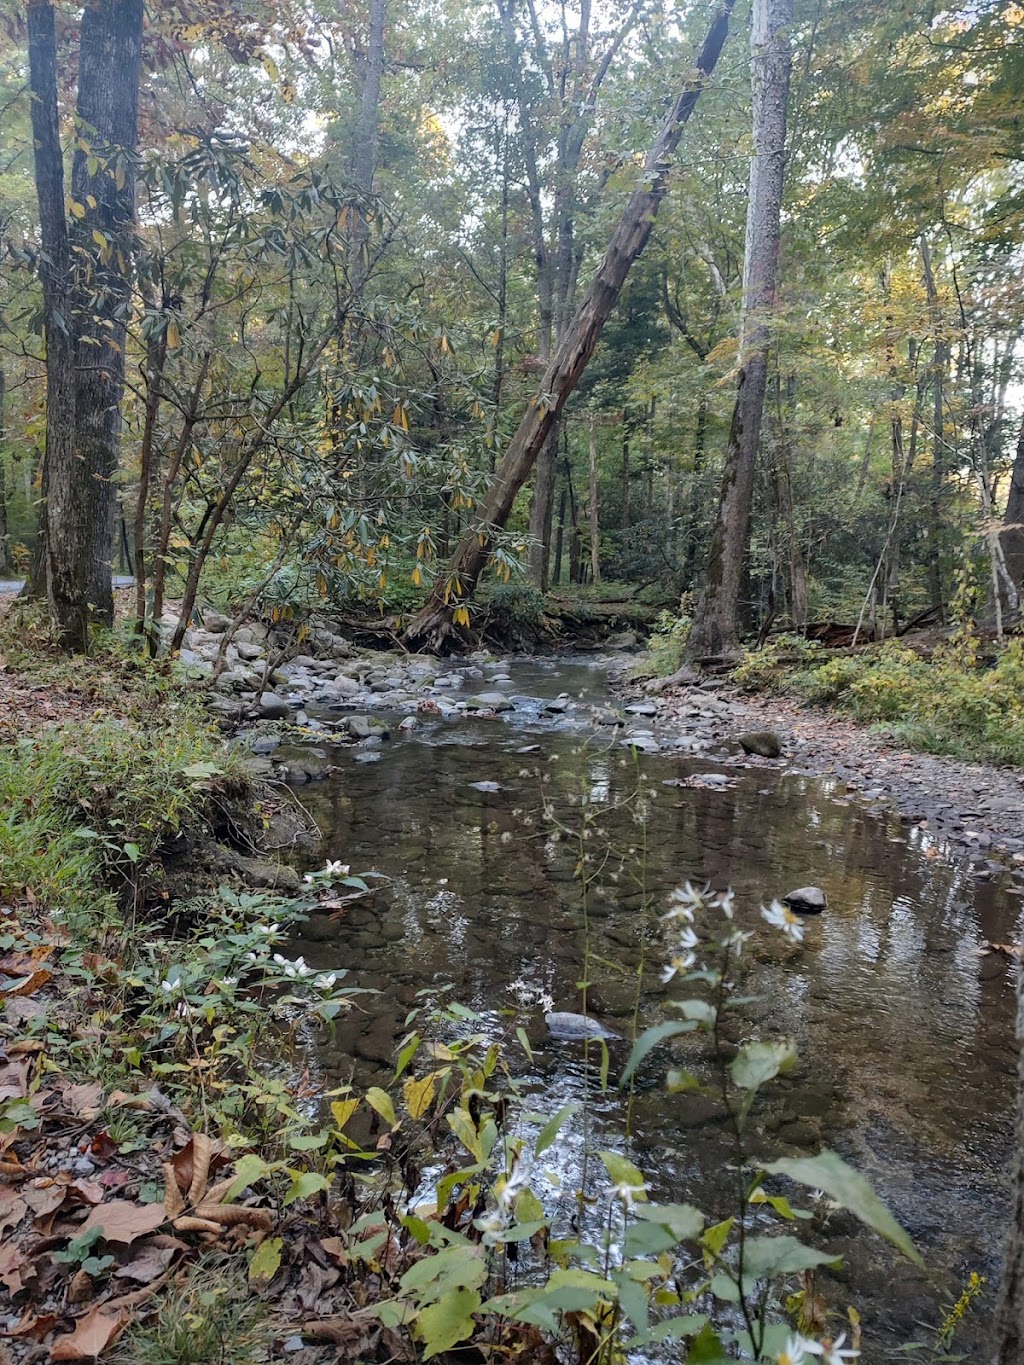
905, 1032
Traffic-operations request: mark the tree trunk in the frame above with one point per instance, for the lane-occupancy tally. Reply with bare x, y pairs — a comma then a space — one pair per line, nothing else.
1010, 1312
64, 527
595, 530
433, 625
5, 557
715, 630
101, 242
1013, 521
541, 505
560, 535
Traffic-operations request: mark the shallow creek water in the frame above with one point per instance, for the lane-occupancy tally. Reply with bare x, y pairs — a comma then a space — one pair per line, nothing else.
905, 1031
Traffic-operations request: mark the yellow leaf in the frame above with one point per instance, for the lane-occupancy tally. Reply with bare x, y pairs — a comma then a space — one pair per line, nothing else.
99, 239
173, 334
419, 1095
342, 1110
267, 1260
77, 209
416, 577
381, 1101
461, 617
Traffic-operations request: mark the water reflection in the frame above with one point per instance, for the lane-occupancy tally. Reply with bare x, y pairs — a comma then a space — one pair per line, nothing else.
904, 1031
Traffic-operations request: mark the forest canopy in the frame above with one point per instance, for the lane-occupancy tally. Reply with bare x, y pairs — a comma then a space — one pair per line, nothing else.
307, 305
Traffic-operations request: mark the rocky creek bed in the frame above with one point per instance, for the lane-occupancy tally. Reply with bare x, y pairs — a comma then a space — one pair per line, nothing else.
434, 773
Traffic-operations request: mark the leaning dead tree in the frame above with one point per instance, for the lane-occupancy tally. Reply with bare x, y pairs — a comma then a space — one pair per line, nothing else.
445, 614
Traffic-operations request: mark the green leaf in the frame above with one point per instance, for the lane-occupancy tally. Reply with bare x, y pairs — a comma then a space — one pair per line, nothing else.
448, 1321
768, 1258
381, 1101
716, 1237
830, 1173
407, 1053
266, 1260
647, 1239
622, 1172
200, 770
309, 1182
684, 1221
132, 852
632, 1299
724, 1287
248, 1169
707, 1349
457, 1267
757, 1063
650, 1038
551, 1129
524, 1042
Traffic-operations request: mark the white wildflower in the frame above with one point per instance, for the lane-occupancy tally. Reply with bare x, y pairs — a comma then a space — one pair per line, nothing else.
628, 1194
833, 1353
726, 902
491, 1227
266, 928
797, 1349
293, 969
170, 985
325, 981
780, 916
684, 903
735, 939
336, 869
226, 982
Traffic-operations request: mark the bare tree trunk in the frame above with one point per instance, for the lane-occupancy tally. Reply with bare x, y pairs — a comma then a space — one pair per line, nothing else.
715, 630
1013, 521
560, 534
940, 363
102, 240
1010, 1312
595, 530
5, 558
434, 623
64, 525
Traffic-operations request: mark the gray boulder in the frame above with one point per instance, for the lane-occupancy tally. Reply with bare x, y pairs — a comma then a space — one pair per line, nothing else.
273, 707
806, 900
574, 1028
764, 743
489, 701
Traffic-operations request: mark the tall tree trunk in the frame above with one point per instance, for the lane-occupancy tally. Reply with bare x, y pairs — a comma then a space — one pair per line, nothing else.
5, 557
627, 475
102, 241
716, 624
940, 364
433, 624
560, 534
64, 522
595, 530
1013, 534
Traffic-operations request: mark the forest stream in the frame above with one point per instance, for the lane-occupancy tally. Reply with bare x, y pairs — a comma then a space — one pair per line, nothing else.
904, 1028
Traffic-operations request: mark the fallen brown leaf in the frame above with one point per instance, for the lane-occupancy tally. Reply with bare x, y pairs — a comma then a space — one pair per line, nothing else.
84, 1101
33, 1325
16, 1269
12, 1209
124, 1221
151, 1260
24, 985
92, 1335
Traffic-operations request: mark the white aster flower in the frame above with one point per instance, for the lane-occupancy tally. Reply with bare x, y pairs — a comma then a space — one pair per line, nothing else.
780, 916
226, 982
684, 903
336, 869
266, 928
325, 981
628, 1194
736, 939
170, 985
492, 1227
293, 969
726, 901
833, 1353
797, 1349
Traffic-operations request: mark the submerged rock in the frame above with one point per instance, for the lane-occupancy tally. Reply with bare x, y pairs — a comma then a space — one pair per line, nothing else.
806, 900
489, 701
575, 1027
764, 743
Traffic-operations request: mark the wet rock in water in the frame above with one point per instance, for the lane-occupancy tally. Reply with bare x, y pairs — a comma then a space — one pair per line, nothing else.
568, 1027
362, 727
557, 705
764, 743
273, 707
408, 724
806, 900
645, 744
345, 686
489, 701
266, 744
608, 717
486, 786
